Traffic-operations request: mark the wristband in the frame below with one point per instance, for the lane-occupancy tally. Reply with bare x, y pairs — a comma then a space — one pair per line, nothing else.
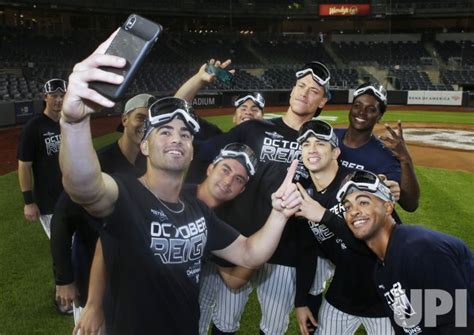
28, 197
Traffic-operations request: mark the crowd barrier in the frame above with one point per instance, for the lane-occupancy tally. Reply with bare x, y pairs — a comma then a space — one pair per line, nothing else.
18, 112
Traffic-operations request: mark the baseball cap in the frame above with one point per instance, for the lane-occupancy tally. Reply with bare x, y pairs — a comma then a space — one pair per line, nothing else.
166, 109
320, 74
242, 153
376, 90
256, 97
54, 85
140, 100
319, 129
365, 181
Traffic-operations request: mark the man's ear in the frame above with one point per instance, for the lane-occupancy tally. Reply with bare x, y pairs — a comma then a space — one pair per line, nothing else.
124, 119
144, 147
389, 207
335, 153
210, 168
323, 102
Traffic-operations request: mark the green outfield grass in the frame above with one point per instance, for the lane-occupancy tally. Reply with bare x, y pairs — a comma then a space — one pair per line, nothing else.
340, 117
26, 283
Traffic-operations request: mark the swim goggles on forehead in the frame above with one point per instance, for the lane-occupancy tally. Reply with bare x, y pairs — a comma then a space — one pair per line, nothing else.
54, 85
318, 71
257, 98
319, 129
241, 152
166, 109
366, 181
380, 92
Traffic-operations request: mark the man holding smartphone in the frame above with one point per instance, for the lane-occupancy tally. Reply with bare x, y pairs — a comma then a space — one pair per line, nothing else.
248, 106
155, 235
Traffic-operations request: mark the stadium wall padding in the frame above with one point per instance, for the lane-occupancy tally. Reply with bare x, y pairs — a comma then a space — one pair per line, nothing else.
19, 112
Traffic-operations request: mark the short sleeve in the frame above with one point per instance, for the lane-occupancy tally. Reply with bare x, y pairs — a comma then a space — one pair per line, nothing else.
220, 234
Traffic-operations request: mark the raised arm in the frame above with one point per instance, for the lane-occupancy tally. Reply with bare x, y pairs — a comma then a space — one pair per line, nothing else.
82, 177
255, 250
191, 87
409, 187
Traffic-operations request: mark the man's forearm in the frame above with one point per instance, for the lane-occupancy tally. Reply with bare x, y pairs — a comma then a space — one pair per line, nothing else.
25, 176
97, 279
79, 163
190, 88
409, 187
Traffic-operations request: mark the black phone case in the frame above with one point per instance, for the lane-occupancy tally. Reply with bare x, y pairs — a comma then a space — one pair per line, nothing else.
133, 42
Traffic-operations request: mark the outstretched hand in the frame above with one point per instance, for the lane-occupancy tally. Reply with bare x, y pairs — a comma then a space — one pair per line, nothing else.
310, 208
395, 142
80, 100
209, 77
287, 199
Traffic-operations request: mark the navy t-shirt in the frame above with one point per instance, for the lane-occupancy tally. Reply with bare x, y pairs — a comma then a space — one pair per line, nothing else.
197, 170
372, 156
352, 289
40, 140
112, 160
419, 258
153, 259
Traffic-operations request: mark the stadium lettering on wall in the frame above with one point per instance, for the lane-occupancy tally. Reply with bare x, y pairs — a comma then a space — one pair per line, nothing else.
211, 100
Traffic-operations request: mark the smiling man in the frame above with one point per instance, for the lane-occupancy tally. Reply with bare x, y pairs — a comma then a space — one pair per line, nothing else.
155, 235
424, 277
351, 299
362, 150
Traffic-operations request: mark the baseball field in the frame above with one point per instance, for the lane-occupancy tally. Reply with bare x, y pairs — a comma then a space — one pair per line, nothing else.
446, 177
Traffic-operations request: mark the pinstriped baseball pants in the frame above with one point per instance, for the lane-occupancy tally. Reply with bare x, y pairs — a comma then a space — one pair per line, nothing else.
332, 321
275, 286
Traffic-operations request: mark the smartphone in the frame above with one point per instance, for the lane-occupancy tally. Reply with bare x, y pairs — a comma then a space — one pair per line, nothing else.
133, 42
221, 74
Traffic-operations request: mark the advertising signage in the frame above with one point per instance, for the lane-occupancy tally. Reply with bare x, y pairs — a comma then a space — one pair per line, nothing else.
344, 10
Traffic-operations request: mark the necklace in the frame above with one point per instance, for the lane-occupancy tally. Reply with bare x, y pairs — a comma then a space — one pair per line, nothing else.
161, 202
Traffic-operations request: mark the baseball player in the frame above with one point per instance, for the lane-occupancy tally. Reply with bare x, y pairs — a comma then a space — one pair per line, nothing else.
351, 299
411, 258
155, 235
38, 157
274, 142
122, 156
248, 106
360, 149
